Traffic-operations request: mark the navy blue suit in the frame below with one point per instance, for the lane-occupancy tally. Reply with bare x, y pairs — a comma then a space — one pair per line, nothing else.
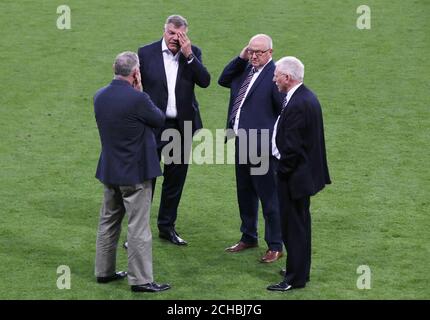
155, 84
302, 172
125, 118
260, 110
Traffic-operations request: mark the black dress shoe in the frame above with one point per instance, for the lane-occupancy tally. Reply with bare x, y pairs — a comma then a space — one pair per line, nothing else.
283, 286
173, 237
150, 287
117, 276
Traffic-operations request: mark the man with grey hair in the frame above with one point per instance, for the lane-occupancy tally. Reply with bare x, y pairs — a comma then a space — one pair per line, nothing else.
170, 68
128, 162
298, 144
255, 102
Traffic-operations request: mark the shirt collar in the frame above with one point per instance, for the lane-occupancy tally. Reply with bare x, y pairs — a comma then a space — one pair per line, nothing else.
163, 45
292, 90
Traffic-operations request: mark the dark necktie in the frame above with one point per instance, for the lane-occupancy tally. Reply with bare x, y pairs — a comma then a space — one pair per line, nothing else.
241, 95
284, 105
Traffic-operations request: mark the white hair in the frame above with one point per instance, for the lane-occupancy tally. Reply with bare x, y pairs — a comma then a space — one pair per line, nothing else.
291, 66
265, 37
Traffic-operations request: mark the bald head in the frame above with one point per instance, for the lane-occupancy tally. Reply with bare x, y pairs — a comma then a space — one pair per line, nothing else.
260, 50
263, 39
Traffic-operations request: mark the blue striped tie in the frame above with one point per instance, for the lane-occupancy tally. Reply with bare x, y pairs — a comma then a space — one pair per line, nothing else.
241, 95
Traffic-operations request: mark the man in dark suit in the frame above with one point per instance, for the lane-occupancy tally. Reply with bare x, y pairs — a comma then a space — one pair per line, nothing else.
298, 142
128, 162
255, 103
170, 69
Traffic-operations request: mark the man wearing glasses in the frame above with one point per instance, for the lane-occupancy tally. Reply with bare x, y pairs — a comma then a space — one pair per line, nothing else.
255, 103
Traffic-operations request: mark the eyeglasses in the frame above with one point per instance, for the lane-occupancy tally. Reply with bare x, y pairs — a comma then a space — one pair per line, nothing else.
258, 53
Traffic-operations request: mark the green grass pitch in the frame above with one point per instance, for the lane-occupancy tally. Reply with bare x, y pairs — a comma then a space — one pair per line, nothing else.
374, 89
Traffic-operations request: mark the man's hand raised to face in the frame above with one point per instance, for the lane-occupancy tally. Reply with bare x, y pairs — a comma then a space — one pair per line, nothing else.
185, 44
137, 83
244, 53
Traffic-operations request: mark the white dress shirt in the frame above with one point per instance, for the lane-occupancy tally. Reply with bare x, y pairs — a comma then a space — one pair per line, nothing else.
171, 66
254, 77
275, 151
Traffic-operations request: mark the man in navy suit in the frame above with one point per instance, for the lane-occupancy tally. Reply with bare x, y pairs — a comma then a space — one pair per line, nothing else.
255, 103
170, 69
299, 145
128, 162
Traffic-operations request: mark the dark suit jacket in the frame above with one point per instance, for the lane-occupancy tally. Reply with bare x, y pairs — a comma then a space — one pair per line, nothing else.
300, 140
263, 102
125, 118
155, 83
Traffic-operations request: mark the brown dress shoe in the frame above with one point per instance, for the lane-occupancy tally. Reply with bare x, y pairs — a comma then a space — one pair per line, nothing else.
271, 256
240, 246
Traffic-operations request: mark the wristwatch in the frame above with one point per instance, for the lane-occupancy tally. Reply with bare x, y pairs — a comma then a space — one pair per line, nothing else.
190, 57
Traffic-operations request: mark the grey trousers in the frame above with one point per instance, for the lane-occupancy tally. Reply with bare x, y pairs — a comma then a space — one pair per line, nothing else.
136, 202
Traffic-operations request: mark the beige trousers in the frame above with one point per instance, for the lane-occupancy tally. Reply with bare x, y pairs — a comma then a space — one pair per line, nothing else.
136, 202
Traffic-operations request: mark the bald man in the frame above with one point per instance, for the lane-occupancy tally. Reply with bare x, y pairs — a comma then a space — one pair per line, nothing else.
255, 104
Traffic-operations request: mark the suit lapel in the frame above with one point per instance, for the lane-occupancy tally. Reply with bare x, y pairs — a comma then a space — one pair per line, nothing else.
295, 95
181, 64
260, 78
158, 60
